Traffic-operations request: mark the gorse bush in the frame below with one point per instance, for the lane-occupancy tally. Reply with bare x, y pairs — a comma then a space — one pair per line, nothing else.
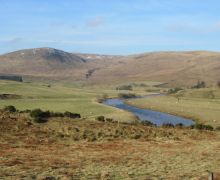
200, 84
10, 108
179, 125
168, 125
126, 95
41, 116
174, 90
202, 127
71, 115
100, 118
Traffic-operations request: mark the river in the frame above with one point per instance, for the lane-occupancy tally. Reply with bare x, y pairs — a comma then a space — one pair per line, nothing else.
155, 117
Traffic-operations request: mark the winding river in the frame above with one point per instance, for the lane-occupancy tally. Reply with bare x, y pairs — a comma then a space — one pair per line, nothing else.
155, 117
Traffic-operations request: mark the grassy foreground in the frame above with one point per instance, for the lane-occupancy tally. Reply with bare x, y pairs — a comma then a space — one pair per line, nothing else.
61, 98
65, 148
202, 105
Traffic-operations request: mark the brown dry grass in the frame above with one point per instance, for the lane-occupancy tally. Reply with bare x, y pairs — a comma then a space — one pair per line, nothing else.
176, 68
38, 151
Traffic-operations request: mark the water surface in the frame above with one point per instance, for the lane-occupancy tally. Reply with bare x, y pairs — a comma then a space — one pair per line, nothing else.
155, 117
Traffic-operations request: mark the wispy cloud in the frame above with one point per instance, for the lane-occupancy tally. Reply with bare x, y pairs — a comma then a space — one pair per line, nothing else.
96, 21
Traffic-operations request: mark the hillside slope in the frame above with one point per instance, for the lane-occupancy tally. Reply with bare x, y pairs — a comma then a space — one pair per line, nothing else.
176, 68
184, 68
41, 62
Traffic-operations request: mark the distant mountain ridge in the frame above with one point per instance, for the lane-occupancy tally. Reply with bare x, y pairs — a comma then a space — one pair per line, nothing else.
177, 68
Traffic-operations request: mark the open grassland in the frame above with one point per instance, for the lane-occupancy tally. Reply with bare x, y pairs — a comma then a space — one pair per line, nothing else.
61, 98
65, 148
202, 105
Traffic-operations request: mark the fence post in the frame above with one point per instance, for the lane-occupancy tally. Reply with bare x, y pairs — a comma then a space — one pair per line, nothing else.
211, 176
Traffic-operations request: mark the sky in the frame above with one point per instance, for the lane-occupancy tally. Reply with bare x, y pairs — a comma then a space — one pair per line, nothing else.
117, 27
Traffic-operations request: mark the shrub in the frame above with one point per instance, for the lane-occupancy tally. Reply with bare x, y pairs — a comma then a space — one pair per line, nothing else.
179, 125
174, 90
168, 125
218, 128
200, 84
72, 115
126, 95
100, 118
10, 108
40, 116
202, 127
56, 114
109, 119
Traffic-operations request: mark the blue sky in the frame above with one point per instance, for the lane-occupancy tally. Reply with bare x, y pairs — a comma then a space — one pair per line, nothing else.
110, 26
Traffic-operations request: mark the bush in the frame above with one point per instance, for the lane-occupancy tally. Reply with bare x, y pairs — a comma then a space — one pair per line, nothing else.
180, 125
174, 90
168, 125
100, 118
109, 120
71, 115
202, 127
200, 84
56, 114
10, 108
218, 128
126, 95
40, 116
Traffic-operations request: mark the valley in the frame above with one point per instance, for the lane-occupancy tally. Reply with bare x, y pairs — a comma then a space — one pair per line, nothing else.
105, 142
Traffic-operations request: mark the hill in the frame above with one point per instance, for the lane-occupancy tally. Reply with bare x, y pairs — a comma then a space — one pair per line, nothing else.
46, 62
174, 68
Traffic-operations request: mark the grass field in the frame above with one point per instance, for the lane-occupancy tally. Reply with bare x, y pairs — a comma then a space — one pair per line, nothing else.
65, 148
88, 149
62, 97
202, 105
